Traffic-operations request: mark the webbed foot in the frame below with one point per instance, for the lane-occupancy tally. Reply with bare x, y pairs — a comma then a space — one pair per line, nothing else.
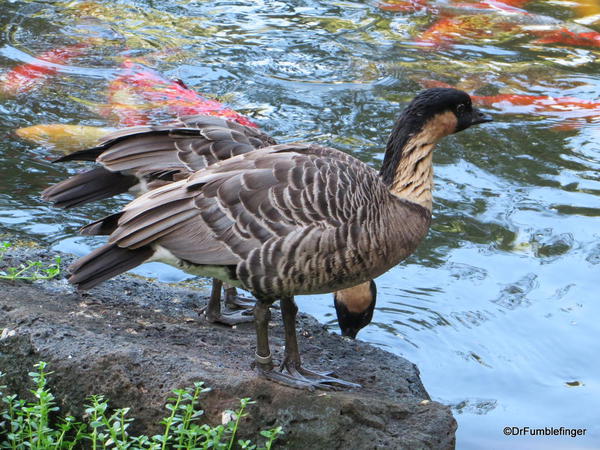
229, 318
298, 377
237, 302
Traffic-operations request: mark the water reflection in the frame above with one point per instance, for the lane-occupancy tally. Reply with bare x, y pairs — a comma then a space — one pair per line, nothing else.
497, 307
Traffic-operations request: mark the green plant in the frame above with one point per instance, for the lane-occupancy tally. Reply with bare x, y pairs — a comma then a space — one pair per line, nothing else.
29, 271
36, 424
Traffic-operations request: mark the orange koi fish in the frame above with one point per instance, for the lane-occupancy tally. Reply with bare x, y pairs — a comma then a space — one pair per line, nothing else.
27, 77
450, 29
564, 107
539, 103
441, 33
173, 96
493, 22
568, 37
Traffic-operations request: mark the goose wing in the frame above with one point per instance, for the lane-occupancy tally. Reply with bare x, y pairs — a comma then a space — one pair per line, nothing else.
277, 213
191, 144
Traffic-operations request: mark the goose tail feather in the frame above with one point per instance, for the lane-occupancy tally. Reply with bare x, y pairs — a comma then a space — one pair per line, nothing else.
106, 262
86, 187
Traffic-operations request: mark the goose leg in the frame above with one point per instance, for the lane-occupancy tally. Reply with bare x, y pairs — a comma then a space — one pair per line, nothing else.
233, 301
213, 313
264, 363
295, 375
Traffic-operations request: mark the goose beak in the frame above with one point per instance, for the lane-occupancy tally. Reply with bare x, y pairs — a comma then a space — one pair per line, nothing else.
350, 332
479, 117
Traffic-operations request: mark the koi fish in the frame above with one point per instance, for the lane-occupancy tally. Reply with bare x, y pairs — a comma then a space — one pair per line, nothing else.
173, 96
491, 18
497, 25
564, 107
404, 5
65, 137
454, 7
449, 29
540, 103
483, 6
586, 8
124, 105
26, 77
568, 37
143, 26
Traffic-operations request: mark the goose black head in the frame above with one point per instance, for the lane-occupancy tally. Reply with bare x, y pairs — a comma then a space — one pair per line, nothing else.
446, 109
431, 115
434, 102
354, 307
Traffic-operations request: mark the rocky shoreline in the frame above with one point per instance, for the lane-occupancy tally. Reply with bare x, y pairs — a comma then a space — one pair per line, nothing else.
134, 341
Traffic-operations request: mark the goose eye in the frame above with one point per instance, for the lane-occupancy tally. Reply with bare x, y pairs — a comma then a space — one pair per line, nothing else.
460, 108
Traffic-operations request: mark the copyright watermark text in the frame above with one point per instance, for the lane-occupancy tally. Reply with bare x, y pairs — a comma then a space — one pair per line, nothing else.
546, 431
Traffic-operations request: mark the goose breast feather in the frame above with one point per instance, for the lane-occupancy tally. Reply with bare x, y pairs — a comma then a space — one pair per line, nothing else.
292, 218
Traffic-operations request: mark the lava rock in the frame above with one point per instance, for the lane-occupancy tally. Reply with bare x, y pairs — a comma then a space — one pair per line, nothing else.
135, 340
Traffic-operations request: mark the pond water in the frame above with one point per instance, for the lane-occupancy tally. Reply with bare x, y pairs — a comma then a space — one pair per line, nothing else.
499, 306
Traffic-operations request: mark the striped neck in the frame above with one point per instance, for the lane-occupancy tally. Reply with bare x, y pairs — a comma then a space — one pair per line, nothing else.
414, 175
408, 164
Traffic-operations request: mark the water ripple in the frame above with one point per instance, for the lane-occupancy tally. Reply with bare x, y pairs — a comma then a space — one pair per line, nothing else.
498, 306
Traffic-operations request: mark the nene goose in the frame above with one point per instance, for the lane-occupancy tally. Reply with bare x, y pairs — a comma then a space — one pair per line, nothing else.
290, 219
139, 159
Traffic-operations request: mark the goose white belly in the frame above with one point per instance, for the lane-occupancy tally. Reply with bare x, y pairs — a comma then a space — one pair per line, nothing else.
222, 273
